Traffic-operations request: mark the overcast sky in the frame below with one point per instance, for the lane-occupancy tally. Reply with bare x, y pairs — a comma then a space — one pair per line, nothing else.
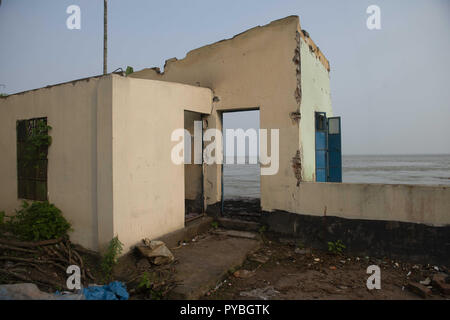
390, 86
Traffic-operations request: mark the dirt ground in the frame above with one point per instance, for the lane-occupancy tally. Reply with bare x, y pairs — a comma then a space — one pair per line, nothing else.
279, 269
292, 272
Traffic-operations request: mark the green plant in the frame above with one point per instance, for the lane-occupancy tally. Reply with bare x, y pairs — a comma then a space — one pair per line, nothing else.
129, 70
336, 247
37, 142
109, 259
2, 217
39, 221
262, 229
146, 284
215, 224
39, 138
145, 281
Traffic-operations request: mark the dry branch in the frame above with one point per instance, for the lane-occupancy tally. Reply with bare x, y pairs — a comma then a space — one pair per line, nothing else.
28, 244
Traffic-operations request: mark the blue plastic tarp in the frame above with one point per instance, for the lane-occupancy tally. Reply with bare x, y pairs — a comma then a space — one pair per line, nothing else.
113, 291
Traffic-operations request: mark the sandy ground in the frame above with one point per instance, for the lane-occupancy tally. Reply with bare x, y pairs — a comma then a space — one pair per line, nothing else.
298, 273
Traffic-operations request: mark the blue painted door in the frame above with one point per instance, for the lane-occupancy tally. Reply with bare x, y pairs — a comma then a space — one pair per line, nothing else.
334, 150
321, 146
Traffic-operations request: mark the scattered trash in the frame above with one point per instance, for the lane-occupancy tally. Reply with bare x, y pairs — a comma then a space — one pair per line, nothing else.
258, 258
261, 293
436, 268
425, 282
113, 291
317, 259
408, 274
332, 268
23, 291
29, 291
302, 251
243, 274
67, 295
155, 251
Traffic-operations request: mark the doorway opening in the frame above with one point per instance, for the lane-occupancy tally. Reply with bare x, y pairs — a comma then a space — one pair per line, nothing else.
241, 170
193, 172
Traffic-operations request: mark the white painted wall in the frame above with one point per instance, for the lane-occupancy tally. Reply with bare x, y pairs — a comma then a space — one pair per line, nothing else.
315, 83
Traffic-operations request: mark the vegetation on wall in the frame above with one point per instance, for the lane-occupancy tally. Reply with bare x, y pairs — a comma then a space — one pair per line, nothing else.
38, 141
129, 70
39, 221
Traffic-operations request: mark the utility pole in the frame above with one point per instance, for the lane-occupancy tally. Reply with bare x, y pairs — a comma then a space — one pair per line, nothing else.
105, 36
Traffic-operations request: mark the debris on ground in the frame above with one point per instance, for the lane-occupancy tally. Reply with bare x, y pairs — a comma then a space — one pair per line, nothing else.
323, 275
258, 258
237, 234
419, 289
425, 282
261, 293
442, 282
43, 263
243, 274
156, 251
302, 251
23, 291
115, 290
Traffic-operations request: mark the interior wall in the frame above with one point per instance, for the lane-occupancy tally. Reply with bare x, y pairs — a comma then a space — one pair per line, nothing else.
193, 177
148, 188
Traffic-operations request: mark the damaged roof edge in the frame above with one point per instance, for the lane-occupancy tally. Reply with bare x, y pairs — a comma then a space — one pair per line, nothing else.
289, 19
87, 79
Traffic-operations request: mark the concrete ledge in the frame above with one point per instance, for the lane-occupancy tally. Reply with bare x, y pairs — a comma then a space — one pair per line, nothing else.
239, 224
378, 238
371, 201
191, 229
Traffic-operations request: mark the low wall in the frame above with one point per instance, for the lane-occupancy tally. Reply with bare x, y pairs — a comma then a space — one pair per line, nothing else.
398, 221
391, 202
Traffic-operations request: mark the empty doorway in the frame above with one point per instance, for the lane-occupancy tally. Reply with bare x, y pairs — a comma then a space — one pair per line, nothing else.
241, 170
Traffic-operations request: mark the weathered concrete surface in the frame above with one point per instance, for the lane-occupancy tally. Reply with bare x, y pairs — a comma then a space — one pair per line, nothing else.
187, 233
202, 264
239, 224
429, 205
414, 242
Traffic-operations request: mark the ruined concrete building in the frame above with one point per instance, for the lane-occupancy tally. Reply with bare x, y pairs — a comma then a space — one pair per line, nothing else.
110, 169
